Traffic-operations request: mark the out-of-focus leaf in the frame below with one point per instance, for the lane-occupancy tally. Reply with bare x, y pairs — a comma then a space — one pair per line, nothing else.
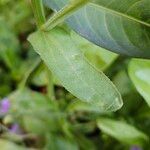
128, 92
9, 45
121, 131
85, 143
43, 122
60, 143
29, 101
40, 77
34, 125
3, 2
35, 111
139, 72
5, 82
7, 145
76, 74
84, 128
12, 13
78, 105
122, 27
122, 82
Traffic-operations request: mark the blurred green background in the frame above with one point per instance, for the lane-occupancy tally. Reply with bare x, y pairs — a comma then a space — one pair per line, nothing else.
37, 113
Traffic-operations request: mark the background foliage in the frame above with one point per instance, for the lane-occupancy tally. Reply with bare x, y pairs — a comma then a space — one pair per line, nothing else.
37, 112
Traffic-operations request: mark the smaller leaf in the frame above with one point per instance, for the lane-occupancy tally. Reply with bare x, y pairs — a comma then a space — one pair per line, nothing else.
139, 72
34, 125
29, 101
60, 143
7, 145
121, 131
37, 112
78, 105
85, 143
9, 45
40, 76
123, 83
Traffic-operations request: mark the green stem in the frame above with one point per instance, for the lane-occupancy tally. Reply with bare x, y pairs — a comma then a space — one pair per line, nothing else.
38, 11
29, 73
63, 14
50, 87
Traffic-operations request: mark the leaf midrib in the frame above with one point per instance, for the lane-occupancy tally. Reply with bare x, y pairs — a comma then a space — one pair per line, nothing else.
120, 14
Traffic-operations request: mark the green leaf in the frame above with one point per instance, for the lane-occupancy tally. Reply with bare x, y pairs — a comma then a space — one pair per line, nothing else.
9, 45
121, 131
99, 57
40, 76
35, 125
29, 101
65, 12
36, 111
60, 143
78, 105
77, 75
7, 145
19, 22
139, 72
121, 27
85, 143
123, 83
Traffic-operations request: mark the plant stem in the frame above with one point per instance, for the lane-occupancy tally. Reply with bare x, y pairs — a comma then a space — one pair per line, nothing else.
50, 87
29, 73
39, 14
63, 14
38, 11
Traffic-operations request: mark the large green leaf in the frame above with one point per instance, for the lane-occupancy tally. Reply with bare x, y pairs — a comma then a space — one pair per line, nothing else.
122, 131
98, 57
61, 54
139, 72
120, 26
